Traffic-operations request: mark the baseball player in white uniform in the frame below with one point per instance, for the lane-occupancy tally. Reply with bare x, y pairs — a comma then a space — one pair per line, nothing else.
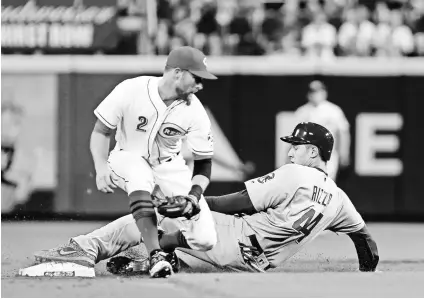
321, 111
151, 116
262, 226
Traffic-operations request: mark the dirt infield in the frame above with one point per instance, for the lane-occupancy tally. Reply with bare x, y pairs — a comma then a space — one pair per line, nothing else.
327, 268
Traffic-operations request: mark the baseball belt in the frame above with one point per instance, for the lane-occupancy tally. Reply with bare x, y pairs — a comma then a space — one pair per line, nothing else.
253, 255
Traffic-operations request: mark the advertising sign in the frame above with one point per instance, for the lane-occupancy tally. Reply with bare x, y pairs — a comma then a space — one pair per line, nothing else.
65, 26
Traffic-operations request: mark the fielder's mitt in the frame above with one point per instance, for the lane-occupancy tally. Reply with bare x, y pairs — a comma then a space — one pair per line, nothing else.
175, 206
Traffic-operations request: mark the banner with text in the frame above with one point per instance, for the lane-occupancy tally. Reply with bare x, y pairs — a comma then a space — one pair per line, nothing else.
66, 26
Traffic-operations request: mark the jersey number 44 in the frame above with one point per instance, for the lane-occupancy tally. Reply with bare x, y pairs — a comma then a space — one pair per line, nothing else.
305, 224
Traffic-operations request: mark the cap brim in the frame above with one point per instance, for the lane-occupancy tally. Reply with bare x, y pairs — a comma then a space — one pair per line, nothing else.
292, 140
204, 75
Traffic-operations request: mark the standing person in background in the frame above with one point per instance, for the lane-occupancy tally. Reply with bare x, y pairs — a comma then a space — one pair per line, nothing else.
319, 110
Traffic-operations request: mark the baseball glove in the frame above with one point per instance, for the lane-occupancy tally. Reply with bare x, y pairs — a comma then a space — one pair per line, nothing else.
175, 206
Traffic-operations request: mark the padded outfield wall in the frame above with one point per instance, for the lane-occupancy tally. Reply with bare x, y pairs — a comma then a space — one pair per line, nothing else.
250, 106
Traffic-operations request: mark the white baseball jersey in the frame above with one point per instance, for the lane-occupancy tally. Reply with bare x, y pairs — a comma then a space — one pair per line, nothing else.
295, 203
147, 127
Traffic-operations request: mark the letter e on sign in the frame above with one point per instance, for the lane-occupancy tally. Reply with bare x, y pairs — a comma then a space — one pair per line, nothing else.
368, 143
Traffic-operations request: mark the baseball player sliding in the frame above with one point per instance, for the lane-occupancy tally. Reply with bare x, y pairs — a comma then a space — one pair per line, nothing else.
257, 228
151, 116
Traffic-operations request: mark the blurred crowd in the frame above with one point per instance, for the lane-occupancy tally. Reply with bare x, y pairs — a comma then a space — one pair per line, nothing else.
317, 28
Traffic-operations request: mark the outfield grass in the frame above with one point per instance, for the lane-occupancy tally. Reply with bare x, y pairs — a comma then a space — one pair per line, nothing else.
326, 268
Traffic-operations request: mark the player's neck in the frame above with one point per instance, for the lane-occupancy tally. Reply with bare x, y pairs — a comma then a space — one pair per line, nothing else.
166, 92
317, 163
316, 104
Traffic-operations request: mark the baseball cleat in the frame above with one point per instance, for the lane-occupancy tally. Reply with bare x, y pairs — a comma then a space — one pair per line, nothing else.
159, 266
133, 261
122, 265
71, 253
172, 258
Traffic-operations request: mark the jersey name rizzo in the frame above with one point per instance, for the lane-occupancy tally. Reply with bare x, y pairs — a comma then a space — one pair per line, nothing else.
321, 196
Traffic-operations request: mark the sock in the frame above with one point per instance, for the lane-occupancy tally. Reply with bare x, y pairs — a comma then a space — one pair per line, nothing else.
142, 209
169, 241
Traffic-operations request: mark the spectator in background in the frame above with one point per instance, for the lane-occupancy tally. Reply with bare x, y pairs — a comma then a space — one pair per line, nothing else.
392, 36
238, 27
162, 38
347, 35
319, 38
419, 28
208, 37
176, 42
355, 36
248, 45
240, 38
120, 35
402, 37
129, 22
164, 10
291, 31
334, 11
184, 27
272, 29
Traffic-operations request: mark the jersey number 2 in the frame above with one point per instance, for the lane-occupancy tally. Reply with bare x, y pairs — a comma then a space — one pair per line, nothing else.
305, 224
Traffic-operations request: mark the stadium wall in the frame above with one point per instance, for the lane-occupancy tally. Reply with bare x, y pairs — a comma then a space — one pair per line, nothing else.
251, 104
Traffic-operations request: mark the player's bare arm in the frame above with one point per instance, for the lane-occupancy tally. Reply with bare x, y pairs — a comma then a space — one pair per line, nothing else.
99, 147
366, 248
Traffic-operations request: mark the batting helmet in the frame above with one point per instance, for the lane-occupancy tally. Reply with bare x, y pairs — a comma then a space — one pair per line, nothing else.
312, 133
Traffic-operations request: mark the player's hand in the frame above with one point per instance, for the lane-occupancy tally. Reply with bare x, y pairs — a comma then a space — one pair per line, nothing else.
105, 180
192, 208
180, 206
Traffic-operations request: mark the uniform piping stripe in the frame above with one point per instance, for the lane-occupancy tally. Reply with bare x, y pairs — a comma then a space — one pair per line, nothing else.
203, 152
182, 101
157, 144
98, 114
126, 181
157, 116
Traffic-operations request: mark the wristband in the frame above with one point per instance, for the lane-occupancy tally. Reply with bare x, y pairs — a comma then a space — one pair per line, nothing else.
197, 191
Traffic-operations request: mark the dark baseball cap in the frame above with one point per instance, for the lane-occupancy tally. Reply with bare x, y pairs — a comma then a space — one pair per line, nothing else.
190, 59
312, 133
